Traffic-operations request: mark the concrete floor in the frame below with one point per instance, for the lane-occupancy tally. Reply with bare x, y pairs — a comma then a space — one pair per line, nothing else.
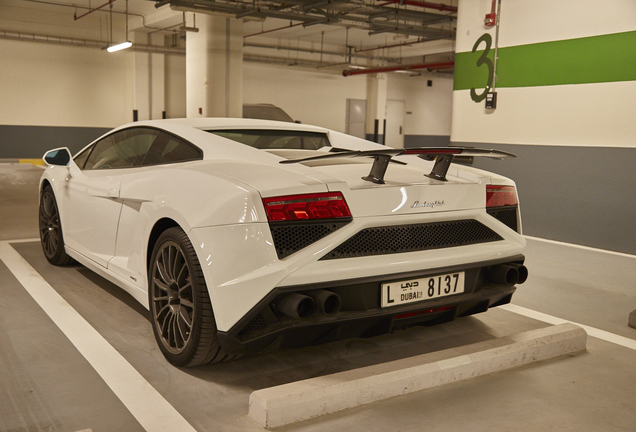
47, 385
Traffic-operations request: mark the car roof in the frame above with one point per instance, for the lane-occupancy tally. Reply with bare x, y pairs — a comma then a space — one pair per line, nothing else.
221, 123
195, 130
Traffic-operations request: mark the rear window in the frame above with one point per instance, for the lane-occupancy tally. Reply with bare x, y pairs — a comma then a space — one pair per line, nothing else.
276, 139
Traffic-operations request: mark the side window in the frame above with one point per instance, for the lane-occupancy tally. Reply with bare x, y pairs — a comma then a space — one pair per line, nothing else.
170, 149
80, 159
124, 149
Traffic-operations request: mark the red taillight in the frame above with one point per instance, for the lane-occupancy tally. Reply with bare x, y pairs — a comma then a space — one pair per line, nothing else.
330, 205
500, 196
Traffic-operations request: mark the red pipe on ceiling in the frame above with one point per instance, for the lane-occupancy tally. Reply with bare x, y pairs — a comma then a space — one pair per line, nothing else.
439, 7
444, 65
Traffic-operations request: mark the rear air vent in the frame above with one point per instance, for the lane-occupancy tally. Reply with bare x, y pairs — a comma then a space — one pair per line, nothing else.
292, 237
411, 238
506, 215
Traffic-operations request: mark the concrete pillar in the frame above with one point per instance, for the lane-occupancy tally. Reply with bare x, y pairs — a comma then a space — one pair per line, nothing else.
376, 106
214, 68
149, 78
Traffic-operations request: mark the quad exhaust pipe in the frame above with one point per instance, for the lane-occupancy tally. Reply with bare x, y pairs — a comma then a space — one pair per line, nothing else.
328, 302
296, 305
507, 274
523, 272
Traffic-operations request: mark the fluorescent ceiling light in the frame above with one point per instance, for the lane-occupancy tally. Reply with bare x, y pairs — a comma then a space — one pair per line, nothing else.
119, 47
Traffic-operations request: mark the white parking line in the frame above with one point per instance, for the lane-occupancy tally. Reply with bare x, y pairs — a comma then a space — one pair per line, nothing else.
592, 331
150, 409
587, 248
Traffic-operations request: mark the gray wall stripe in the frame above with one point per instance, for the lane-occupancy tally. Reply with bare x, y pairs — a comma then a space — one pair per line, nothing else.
30, 142
580, 195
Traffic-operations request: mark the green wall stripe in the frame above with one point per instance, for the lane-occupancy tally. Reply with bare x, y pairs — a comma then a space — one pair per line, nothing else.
596, 59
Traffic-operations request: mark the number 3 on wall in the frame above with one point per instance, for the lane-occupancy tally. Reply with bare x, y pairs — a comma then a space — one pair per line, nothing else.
483, 59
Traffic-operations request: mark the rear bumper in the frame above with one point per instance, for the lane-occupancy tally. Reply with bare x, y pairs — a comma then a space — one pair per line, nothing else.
264, 328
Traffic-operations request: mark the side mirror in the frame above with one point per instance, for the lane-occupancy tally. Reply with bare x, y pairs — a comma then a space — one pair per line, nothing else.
58, 157
62, 157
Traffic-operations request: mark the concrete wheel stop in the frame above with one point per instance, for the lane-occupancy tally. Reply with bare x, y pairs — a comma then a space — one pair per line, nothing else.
302, 400
632, 319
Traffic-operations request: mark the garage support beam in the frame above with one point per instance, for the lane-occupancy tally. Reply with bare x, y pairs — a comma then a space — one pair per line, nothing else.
376, 107
214, 68
149, 78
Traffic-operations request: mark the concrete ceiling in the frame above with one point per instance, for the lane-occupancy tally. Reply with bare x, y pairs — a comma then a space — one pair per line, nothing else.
328, 35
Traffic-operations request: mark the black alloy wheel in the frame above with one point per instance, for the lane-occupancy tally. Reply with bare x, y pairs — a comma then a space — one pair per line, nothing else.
51, 229
180, 307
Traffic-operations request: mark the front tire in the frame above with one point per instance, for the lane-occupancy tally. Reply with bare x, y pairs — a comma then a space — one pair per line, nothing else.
180, 307
51, 236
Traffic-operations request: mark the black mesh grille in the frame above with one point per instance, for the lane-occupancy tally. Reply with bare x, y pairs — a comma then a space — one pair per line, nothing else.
410, 238
507, 215
257, 323
292, 237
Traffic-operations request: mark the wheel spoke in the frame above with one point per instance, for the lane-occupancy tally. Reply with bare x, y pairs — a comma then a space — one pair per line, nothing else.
179, 331
161, 299
185, 289
183, 274
170, 264
51, 244
161, 285
161, 269
176, 264
162, 314
167, 326
185, 317
187, 303
165, 262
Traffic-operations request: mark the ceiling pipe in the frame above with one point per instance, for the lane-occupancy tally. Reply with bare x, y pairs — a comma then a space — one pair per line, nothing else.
391, 46
273, 30
311, 51
143, 18
75, 17
83, 43
443, 65
427, 5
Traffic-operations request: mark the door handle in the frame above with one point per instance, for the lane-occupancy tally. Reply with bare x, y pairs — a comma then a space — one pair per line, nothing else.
113, 193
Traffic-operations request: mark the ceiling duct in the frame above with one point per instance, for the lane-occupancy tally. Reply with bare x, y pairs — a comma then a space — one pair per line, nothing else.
391, 17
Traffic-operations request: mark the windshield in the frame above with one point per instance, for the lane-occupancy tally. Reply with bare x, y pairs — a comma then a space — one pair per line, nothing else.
276, 139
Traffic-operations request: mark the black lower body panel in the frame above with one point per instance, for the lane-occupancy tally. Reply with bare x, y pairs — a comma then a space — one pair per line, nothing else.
361, 314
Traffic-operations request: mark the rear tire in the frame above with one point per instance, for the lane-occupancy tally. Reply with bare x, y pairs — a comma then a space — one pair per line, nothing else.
181, 311
51, 236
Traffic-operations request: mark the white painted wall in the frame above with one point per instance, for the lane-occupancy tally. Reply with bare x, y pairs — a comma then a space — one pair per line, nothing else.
524, 22
429, 107
54, 85
573, 115
311, 97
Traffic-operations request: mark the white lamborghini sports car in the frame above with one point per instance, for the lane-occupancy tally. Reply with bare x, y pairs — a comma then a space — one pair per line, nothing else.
244, 235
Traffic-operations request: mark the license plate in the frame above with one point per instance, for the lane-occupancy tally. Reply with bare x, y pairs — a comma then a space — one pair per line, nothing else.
414, 290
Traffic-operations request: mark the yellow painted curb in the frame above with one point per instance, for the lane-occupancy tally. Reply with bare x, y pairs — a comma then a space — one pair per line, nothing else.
31, 161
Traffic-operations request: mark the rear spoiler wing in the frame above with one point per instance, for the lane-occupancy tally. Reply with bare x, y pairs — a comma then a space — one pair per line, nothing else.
443, 156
